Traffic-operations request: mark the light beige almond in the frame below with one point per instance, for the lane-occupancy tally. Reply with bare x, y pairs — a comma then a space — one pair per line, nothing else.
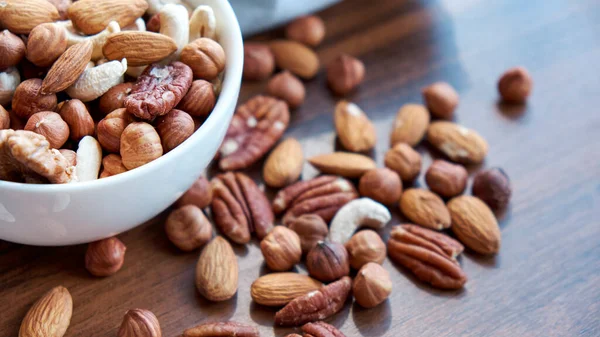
92, 16
135, 47
460, 144
217, 271
21, 16
67, 68
354, 129
295, 57
50, 316
279, 289
410, 125
425, 208
474, 224
284, 164
345, 164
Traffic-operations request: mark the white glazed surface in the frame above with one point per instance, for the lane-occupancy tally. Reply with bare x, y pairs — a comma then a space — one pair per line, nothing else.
55, 215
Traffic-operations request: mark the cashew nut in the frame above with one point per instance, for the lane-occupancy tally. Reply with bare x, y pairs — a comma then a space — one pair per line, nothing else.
98, 40
203, 23
94, 82
138, 25
174, 23
89, 158
9, 80
363, 212
154, 6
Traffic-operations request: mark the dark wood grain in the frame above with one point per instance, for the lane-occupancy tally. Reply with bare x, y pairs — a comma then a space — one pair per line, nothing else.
545, 280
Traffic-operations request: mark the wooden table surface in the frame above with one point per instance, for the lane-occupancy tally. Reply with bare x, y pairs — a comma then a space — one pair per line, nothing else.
546, 279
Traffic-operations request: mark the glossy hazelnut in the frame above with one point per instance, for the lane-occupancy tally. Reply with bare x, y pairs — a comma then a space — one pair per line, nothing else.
188, 228
372, 285
70, 156
493, 187
139, 323
403, 160
311, 229
205, 56
259, 62
45, 44
446, 179
344, 74
328, 261
281, 249
382, 185
174, 128
12, 49
515, 85
441, 99
288, 88
4, 118
364, 247
112, 164
199, 100
115, 97
199, 195
309, 29
110, 128
105, 257
76, 115
50, 125
140, 144
28, 99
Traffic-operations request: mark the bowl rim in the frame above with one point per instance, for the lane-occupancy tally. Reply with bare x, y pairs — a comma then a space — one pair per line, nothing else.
229, 93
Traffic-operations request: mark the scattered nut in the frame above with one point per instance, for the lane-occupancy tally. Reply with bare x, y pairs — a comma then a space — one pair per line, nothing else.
474, 224
281, 249
76, 115
309, 29
12, 49
344, 74
50, 315
425, 208
105, 257
199, 100
410, 125
199, 195
140, 144
284, 164
372, 285
493, 187
115, 97
310, 228
28, 99
89, 159
382, 185
217, 271
441, 99
9, 80
45, 44
50, 125
327, 261
354, 129
364, 247
460, 144
277, 289
515, 85
174, 128
404, 160
288, 88
205, 56
112, 165
349, 165
188, 228
446, 179
259, 61
138, 323
356, 214
224, 329
203, 23
295, 57
111, 128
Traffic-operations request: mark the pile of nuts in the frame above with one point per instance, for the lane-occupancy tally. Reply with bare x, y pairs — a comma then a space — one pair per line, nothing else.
330, 222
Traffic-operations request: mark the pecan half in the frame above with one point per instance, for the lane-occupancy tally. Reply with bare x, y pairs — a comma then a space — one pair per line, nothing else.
256, 126
430, 255
321, 329
224, 329
239, 207
316, 305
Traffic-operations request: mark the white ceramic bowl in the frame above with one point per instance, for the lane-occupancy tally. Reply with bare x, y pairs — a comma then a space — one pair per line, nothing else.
54, 215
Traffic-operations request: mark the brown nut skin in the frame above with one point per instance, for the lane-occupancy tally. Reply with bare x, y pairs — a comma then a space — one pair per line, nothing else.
441, 99
364, 247
112, 165
382, 185
493, 187
515, 85
281, 249
111, 127
174, 128
410, 124
287, 87
328, 261
372, 285
223, 329
321, 329
28, 99
259, 62
45, 44
404, 160
311, 229
4, 118
199, 195
446, 179
344, 74
12, 49
50, 125
140, 144
76, 115
309, 29
205, 56
199, 100
188, 228
139, 322
115, 97
105, 257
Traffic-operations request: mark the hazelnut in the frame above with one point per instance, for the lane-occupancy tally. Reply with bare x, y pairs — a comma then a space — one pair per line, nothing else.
50, 125
112, 165
281, 249
199, 195
140, 144
62, 6
287, 87
441, 99
110, 128
153, 24
199, 100
205, 56
515, 85
344, 74
115, 97
45, 44
327, 261
372, 285
308, 29
105, 257
493, 187
364, 247
382, 185
259, 61
31, 71
4, 118
12, 49
76, 115
188, 228
404, 160
311, 229
446, 179
28, 99
70, 155
174, 128
139, 323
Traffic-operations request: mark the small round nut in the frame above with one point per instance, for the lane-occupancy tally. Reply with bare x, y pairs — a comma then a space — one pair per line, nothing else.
372, 285
493, 187
446, 179
259, 62
311, 229
441, 99
45, 44
382, 185
12, 49
309, 29
205, 56
287, 87
28, 99
515, 85
76, 115
4, 118
138, 323
364, 247
199, 100
188, 228
328, 261
174, 128
199, 195
344, 74
110, 128
112, 165
115, 97
105, 257
140, 144
50, 125
281, 249
404, 160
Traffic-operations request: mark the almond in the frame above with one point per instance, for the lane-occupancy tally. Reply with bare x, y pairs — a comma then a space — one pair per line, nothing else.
284, 164
217, 271
460, 144
349, 165
67, 68
425, 208
279, 289
295, 57
21, 16
474, 224
49, 316
135, 46
92, 16
353, 127
410, 125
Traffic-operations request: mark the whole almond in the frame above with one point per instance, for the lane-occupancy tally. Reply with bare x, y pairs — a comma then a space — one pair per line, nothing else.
92, 16
404, 160
45, 44
135, 47
284, 164
410, 125
217, 271
68, 67
460, 144
354, 129
474, 224
425, 208
278, 289
21, 16
295, 57
349, 165
49, 316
